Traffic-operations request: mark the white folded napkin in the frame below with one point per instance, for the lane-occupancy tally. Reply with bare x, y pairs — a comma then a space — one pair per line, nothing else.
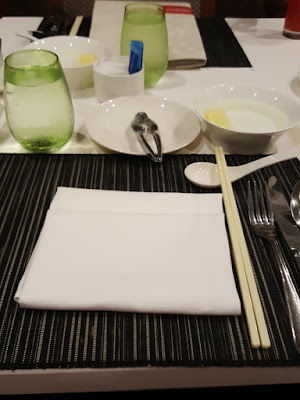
132, 252
186, 48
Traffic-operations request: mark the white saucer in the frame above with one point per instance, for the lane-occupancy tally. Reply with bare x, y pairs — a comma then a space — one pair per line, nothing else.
110, 125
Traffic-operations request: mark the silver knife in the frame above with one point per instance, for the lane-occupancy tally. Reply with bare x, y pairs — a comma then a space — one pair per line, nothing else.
288, 228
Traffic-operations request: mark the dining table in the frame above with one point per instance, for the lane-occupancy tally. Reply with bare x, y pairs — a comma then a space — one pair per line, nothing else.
80, 351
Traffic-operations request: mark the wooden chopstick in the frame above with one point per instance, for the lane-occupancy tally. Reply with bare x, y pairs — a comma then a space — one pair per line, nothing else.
258, 332
76, 25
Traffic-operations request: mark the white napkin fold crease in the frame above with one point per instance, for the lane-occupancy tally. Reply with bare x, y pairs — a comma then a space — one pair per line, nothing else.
132, 252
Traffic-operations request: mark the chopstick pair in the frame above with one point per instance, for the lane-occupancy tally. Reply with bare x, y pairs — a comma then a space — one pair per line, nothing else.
258, 332
76, 25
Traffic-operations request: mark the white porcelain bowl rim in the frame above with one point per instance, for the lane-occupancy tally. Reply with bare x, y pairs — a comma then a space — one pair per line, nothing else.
266, 95
61, 41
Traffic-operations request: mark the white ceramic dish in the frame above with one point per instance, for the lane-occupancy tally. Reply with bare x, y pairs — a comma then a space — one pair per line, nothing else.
257, 116
69, 49
110, 125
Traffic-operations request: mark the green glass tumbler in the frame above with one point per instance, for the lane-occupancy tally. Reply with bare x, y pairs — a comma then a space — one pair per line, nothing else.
147, 23
37, 101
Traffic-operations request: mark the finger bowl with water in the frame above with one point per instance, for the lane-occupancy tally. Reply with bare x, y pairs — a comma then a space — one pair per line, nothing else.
245, 120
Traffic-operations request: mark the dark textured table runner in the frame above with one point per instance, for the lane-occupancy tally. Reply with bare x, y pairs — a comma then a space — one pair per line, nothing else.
57, 339
221, 46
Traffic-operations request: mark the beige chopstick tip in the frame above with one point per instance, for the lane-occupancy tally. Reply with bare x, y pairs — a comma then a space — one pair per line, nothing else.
76, 25
251, 301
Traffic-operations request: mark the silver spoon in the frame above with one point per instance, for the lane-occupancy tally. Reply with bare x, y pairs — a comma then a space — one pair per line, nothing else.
295, 203
206, 174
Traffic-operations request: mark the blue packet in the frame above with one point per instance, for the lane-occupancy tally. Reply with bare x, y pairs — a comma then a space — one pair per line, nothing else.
136, 56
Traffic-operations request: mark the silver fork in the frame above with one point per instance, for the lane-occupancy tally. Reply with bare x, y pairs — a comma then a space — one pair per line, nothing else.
262, 221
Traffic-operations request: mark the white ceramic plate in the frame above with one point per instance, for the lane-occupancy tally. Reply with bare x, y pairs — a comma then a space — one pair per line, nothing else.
110, 125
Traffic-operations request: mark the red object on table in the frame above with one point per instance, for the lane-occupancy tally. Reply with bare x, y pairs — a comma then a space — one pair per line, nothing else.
292, 20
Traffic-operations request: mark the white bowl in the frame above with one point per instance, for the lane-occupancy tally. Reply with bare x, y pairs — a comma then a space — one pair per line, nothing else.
257, 116
69, 49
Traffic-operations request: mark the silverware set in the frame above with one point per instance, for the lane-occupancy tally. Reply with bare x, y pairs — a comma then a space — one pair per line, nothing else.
268, 210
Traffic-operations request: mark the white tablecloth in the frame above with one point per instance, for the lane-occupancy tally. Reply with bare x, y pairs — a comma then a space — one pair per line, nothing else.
275, 63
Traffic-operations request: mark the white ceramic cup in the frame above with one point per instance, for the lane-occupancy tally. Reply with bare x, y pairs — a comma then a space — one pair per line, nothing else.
112, 79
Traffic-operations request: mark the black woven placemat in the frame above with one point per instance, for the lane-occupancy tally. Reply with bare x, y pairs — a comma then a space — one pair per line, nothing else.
48, 339
221, 46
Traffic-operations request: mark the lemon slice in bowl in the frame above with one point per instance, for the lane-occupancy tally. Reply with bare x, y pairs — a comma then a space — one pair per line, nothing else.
219, 117
85, 59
